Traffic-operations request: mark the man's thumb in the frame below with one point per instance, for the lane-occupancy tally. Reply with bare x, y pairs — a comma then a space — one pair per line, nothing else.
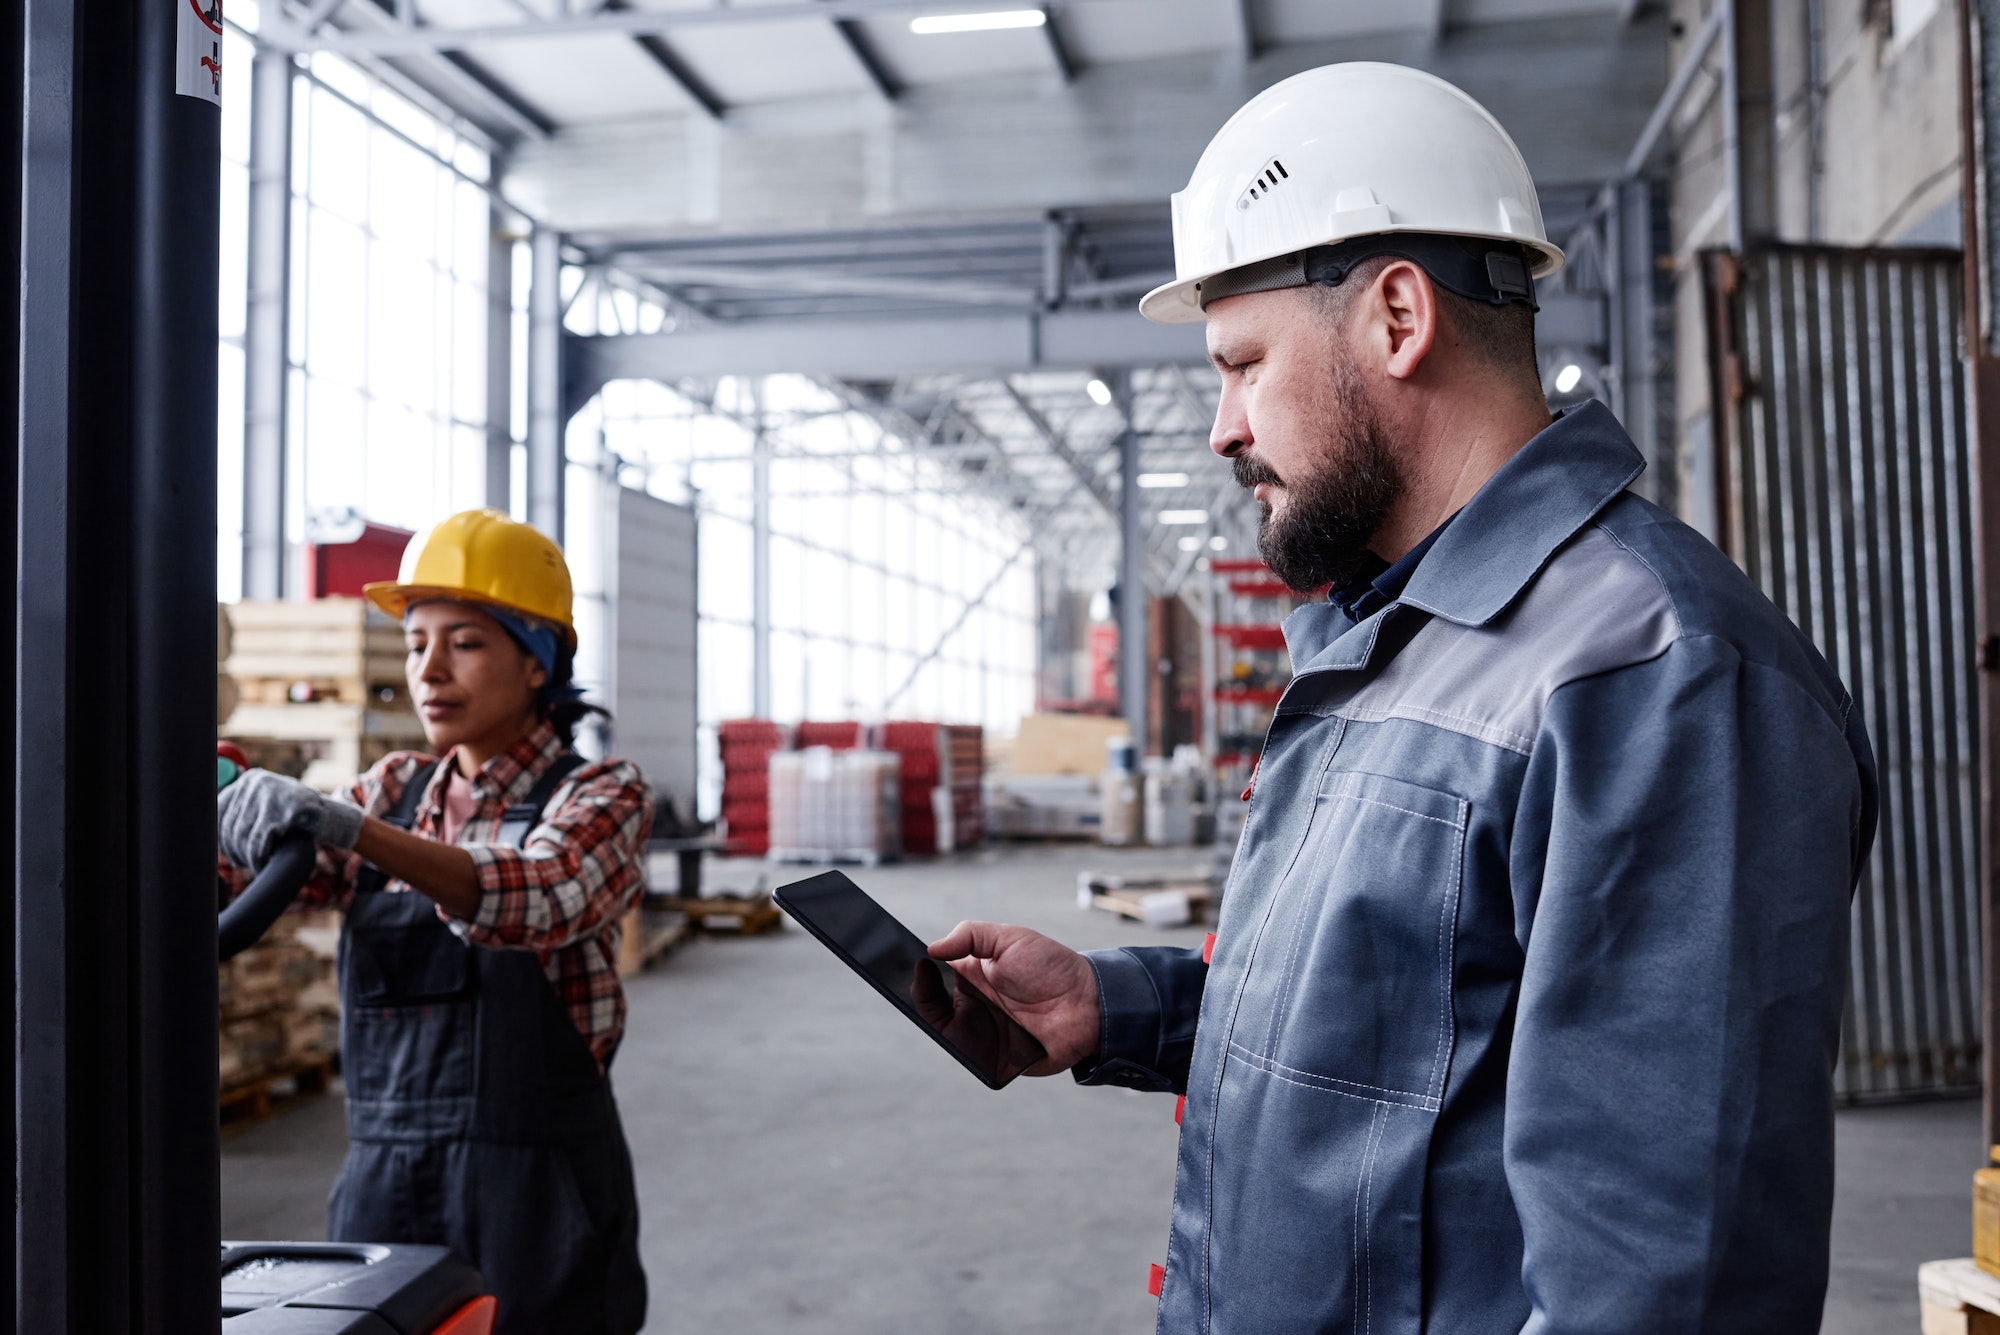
978, 939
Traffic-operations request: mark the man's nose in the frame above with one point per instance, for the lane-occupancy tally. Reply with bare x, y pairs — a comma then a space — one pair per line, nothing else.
1230, 435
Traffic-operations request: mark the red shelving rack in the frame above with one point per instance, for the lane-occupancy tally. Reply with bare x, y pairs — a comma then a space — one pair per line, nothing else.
1252, 666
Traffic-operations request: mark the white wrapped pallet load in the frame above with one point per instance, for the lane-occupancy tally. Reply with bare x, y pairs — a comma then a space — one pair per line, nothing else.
835, 806
1169, 807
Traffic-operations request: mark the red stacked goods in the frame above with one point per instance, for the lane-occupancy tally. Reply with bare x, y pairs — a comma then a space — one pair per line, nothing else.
834, 736
941, 771
746, 746
965, 774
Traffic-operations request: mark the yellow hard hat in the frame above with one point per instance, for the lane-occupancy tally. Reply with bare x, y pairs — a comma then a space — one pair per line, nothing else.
482, 556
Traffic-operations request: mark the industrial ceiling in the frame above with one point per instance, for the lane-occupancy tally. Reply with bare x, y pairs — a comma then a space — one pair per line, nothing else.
952, 228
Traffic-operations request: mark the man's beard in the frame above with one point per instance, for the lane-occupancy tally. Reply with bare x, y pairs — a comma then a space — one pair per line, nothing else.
1334, 510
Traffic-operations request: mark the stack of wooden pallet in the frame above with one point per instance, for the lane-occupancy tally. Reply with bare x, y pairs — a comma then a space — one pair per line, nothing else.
325, 678
279, 1009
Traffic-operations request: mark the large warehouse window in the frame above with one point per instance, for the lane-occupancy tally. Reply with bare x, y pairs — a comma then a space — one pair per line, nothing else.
892, 595
390, 234
390, 226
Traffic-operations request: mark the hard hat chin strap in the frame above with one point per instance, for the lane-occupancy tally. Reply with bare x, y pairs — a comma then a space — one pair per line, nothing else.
1474, 268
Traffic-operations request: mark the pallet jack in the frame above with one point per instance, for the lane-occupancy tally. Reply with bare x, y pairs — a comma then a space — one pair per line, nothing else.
331, 1288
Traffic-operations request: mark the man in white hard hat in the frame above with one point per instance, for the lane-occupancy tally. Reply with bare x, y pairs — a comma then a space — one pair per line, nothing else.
1526, 992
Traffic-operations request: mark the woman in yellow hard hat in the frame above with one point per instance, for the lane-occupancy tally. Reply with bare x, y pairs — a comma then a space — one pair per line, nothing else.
483, 887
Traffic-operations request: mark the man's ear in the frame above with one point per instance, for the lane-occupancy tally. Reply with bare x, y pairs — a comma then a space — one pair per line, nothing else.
1405, 313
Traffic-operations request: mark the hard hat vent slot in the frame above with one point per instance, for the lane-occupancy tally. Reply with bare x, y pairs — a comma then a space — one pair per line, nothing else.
1270, 176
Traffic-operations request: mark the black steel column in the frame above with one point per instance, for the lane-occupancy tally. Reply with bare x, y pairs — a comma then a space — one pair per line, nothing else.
171, 683
112, 529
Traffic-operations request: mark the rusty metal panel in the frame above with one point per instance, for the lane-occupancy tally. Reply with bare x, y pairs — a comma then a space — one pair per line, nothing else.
1847, 495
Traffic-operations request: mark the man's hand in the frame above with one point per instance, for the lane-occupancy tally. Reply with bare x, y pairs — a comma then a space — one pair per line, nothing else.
1048, 988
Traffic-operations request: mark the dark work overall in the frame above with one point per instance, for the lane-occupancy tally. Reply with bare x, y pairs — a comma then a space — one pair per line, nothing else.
476, 1116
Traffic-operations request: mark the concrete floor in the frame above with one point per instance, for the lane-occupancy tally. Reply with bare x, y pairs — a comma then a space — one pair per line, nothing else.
809, 1163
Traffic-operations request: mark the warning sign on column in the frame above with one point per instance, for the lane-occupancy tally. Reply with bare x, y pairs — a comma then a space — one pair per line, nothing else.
199, 73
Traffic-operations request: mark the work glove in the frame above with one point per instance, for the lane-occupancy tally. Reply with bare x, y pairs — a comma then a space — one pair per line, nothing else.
255, 813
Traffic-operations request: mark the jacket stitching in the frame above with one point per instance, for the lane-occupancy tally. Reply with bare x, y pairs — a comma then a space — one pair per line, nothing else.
1360, 1292
1284, 1001
1215, 1103
1368, 1211
1377, 802
1667, 594
1436, 1085
1354, 1228
1292, 1075
1491, 733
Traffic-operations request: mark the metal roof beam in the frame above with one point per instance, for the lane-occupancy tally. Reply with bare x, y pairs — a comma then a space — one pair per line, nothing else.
631, 22
1058, 445
885, 349
855, 38
831, 282
478, 94
677, 70
1058, 49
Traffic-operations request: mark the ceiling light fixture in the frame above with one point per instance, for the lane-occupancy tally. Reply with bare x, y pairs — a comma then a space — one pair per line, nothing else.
1568, 378
1162, 481
1190, 543
990, 21
1100, 393
1218, 543
1183, 516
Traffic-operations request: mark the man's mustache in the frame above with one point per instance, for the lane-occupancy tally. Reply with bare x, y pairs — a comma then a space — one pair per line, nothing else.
1254, 472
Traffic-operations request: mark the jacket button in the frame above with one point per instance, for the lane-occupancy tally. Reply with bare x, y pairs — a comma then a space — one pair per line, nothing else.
1208, 948
1156, 1278
1180, 1106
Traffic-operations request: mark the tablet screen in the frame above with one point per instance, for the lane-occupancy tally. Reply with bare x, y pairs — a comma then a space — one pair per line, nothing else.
982, 1036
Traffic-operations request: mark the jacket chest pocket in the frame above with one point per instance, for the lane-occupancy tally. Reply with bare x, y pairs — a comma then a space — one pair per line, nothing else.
1350, 986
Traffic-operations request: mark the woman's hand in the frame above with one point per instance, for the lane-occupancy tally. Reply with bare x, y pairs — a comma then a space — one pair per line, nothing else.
260, 808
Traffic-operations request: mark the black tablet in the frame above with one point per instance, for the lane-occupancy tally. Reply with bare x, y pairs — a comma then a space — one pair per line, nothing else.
986, 1040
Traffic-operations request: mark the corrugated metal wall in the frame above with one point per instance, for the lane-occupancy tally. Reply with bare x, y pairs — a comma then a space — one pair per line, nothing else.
1847, 489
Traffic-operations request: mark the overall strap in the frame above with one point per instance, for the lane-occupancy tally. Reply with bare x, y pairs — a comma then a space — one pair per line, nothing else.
516, 821
403, 815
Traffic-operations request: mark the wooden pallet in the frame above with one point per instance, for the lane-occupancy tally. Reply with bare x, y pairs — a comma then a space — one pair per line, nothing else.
729, 913
1958, 1298
812, 857
251, 1102
1125, 895
649, 934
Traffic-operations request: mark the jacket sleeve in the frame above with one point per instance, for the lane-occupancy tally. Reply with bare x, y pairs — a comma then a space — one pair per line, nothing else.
581, 869
1151, 998
1688, 838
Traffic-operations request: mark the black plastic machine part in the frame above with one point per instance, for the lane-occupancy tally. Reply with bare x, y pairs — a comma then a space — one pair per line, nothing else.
251, 913
335, 1288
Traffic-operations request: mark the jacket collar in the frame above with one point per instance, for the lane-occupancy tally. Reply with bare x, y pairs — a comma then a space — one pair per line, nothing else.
509, 776
1538, 500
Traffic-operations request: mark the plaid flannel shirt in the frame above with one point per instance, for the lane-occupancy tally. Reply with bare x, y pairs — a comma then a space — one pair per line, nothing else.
564, 895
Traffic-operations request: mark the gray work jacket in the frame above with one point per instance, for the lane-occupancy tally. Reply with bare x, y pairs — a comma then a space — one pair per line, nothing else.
1527, 986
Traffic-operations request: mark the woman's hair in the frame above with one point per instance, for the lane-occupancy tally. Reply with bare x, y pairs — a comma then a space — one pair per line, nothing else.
564, 715
561, 704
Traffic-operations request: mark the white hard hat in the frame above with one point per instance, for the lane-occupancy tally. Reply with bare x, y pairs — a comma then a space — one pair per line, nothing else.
1345, 151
